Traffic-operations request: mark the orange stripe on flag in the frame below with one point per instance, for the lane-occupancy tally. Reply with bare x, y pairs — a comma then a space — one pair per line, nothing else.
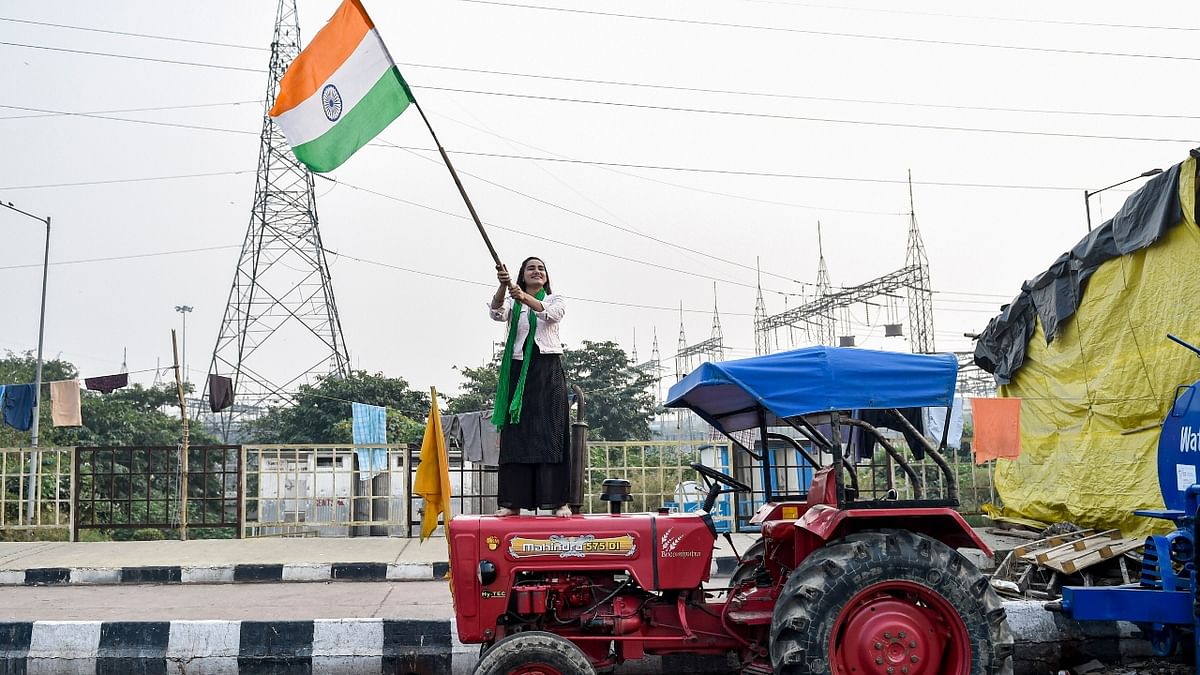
997, 428
328, 50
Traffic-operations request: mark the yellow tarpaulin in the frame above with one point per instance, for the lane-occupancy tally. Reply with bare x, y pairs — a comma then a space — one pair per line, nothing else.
1093, 400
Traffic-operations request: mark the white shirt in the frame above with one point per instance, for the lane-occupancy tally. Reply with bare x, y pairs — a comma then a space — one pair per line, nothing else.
554, 307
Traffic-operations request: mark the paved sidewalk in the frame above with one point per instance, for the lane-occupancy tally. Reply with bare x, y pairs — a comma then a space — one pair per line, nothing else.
223, 560
247, 560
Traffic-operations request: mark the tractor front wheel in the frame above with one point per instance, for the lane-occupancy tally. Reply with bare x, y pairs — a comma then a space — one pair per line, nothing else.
893, 602
534, 653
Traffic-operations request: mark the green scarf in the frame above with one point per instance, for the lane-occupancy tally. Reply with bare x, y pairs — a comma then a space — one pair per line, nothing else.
510, 411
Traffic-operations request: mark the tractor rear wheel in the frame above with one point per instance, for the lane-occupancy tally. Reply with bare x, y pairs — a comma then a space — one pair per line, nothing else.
534, 653
749, 562
891, 601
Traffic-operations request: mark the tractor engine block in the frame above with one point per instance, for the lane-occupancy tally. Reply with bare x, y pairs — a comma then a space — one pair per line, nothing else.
596, 604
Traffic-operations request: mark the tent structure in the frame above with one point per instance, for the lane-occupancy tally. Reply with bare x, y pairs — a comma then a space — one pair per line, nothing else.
1085, 346
730, 394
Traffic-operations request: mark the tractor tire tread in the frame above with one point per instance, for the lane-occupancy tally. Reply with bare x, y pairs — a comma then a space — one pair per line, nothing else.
518, 649
830, 577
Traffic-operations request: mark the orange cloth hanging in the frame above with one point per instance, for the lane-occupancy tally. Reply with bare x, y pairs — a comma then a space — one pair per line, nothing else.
997, 428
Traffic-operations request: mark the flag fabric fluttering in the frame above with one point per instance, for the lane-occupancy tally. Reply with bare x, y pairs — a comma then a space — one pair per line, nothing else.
433, 474
340, 91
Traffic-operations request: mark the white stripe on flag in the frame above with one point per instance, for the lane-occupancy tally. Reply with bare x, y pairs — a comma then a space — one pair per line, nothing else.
353, 79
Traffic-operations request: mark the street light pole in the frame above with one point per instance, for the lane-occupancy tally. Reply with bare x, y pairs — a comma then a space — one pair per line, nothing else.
1087, 195
184, 309
37, 378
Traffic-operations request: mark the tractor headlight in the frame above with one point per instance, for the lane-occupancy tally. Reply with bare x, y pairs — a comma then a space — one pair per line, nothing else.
487, 572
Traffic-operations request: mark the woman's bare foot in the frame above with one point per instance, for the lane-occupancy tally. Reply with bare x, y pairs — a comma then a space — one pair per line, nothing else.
505, 511
563, 511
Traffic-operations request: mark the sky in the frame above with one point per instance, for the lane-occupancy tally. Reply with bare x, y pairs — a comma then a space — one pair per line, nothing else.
651, 153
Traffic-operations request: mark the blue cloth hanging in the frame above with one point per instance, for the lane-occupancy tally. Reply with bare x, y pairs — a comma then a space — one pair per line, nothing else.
370, 426
19, 400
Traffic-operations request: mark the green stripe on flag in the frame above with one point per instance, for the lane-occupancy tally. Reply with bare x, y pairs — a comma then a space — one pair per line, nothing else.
382, 104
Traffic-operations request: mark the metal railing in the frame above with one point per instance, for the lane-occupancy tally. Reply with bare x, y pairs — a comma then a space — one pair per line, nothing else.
324, 490
131, 488
48, 504
660, 475
321, 490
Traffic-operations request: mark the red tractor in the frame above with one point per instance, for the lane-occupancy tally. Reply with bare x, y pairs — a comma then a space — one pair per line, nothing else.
842, 580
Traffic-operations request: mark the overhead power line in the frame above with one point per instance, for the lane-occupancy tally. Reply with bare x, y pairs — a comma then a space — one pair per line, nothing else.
174, 125
614, 303
583, 80
805, 118
132, 256
624, 165
836, 34
110, 181
160, 108
710, 111
137, 35
580, 247
130, 57
749, 173
621, 228
786, 96
947, 15
682, 186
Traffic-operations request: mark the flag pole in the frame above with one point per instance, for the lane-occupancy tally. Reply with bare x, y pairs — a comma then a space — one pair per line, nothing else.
461, 190
445, 158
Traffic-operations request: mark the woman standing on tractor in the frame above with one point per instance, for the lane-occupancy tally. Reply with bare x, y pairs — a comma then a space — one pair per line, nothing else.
531, 397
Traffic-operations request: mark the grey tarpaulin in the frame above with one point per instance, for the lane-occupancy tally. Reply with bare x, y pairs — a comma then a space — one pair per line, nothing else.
1053, 296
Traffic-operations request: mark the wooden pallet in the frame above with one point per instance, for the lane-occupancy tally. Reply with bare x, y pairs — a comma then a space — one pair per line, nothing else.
1036, 569
1073, 556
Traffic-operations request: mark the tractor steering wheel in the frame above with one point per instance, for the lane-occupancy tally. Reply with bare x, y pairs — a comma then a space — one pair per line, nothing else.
712, 477
722, 478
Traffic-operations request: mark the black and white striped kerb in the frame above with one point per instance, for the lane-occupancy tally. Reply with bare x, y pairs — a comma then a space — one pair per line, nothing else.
384, 646
251, 573
223, 574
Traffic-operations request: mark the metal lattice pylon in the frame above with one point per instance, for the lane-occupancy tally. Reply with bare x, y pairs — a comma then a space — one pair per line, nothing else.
919, 290
281, 326
818, 315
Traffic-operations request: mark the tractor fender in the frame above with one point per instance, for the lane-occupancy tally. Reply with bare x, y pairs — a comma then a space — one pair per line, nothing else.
946, 525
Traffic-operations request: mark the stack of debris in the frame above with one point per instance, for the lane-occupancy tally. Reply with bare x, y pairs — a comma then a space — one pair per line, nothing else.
1041, 567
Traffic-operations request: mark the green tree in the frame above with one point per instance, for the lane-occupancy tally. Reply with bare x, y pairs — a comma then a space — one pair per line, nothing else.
478, 388
321, 413
619, 401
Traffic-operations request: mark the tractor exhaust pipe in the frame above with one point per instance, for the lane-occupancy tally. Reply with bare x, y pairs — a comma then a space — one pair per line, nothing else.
578, 454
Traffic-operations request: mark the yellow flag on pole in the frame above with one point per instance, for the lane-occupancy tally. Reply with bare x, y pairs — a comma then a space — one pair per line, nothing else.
433, 474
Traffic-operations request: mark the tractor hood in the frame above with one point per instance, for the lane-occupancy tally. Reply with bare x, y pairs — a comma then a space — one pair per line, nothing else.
729, 394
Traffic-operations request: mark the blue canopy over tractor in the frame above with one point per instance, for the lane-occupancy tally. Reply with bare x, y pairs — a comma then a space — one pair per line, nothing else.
729, 394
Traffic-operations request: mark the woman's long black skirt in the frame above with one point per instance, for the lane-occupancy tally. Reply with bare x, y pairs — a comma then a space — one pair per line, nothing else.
534, 453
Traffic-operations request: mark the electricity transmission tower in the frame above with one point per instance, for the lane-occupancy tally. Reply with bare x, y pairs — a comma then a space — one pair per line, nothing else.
688, 356
817, 316
762, 339
281, 326
920, 292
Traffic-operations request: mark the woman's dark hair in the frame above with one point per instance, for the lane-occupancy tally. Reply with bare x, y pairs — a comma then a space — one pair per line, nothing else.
521, 274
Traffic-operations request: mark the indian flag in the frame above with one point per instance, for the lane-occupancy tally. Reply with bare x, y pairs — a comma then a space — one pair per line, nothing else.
340, 92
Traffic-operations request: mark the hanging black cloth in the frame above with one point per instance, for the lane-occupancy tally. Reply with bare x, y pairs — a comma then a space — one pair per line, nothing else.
220, 392
108, 383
